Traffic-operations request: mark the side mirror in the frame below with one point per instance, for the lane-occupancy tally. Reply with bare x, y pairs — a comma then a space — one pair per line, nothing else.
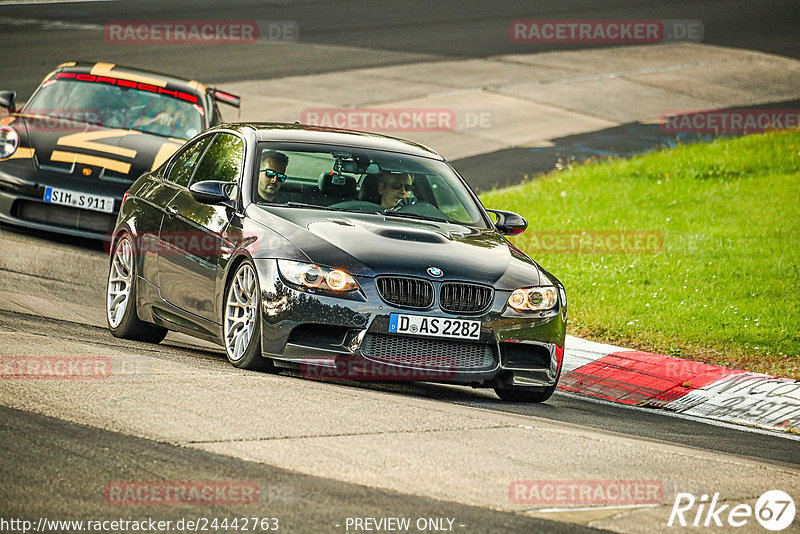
7, 100
509, 223
212, 192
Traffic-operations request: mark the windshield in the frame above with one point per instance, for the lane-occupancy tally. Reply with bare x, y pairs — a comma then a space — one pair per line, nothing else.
113, 106
362, 180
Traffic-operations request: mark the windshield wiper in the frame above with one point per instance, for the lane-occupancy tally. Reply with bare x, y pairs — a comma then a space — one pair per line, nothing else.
293, 204
411, 215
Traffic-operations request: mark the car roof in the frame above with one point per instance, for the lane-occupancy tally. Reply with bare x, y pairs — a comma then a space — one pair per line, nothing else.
303, 133
134, 74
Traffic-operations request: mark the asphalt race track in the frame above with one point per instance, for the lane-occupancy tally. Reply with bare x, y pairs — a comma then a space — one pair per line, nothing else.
377, 33
168, 407
324, 452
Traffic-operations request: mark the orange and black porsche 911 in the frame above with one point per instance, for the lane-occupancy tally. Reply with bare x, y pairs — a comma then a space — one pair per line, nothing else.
87, 132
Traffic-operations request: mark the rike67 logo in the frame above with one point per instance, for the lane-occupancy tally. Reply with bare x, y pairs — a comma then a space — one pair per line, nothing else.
774, 510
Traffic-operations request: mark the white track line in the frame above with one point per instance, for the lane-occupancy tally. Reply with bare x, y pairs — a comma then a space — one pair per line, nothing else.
50, 24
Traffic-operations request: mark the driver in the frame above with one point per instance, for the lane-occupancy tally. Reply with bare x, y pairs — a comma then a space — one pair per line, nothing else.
150, 109
271, 174
107, 102
163, 116
394, 187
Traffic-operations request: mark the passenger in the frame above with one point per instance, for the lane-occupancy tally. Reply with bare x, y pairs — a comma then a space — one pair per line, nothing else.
271, 174
165, 117
152, 110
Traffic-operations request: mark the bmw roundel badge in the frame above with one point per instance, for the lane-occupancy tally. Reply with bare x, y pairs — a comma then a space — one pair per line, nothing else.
435, 272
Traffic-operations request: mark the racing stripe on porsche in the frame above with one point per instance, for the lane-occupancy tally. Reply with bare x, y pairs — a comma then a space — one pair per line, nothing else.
21, 153
49, 76
106, 69
85, 159
164, 153
86, 140
197, 86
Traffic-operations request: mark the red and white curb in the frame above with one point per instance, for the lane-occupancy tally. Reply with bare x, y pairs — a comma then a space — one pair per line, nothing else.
697, 389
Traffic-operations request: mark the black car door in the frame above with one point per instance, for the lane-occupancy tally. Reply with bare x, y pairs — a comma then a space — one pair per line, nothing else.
188, 268
158, 195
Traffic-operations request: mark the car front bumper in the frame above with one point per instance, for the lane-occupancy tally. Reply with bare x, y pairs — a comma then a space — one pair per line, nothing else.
347, 338
22, 190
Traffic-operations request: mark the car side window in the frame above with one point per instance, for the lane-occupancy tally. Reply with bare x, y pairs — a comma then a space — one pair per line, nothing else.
181, 170
222, 161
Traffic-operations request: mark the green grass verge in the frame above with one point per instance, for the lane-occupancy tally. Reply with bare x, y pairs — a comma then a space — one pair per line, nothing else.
725, 287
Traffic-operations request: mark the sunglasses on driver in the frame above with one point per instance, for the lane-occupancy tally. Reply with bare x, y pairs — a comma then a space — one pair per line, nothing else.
270, 174
398, 187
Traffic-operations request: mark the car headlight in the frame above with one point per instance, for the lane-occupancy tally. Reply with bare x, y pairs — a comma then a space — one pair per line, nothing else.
533, 298
9, 141
314, 276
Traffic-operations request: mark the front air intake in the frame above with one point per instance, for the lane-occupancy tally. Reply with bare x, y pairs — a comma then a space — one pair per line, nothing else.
464, 298
406, 292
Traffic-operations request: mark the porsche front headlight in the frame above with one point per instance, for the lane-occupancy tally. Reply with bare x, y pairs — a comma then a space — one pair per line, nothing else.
9, 141
316, 277
533, 298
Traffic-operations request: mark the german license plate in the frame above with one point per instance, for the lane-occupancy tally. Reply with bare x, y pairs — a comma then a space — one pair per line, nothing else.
79, 200
422, 325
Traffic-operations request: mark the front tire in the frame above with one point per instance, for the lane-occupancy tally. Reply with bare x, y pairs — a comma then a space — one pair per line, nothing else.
525, 394
242, 321
121, 314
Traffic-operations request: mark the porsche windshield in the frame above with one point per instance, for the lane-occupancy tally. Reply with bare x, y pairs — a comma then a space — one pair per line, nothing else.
362, 180
113, 106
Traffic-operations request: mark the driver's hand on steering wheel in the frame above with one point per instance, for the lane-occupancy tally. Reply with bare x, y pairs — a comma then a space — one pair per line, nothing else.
162, 119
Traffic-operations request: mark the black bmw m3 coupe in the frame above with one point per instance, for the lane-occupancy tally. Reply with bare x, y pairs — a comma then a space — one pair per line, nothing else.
342, 254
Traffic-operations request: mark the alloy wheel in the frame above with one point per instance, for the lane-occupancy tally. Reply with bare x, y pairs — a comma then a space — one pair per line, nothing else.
240, 312
119, 282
